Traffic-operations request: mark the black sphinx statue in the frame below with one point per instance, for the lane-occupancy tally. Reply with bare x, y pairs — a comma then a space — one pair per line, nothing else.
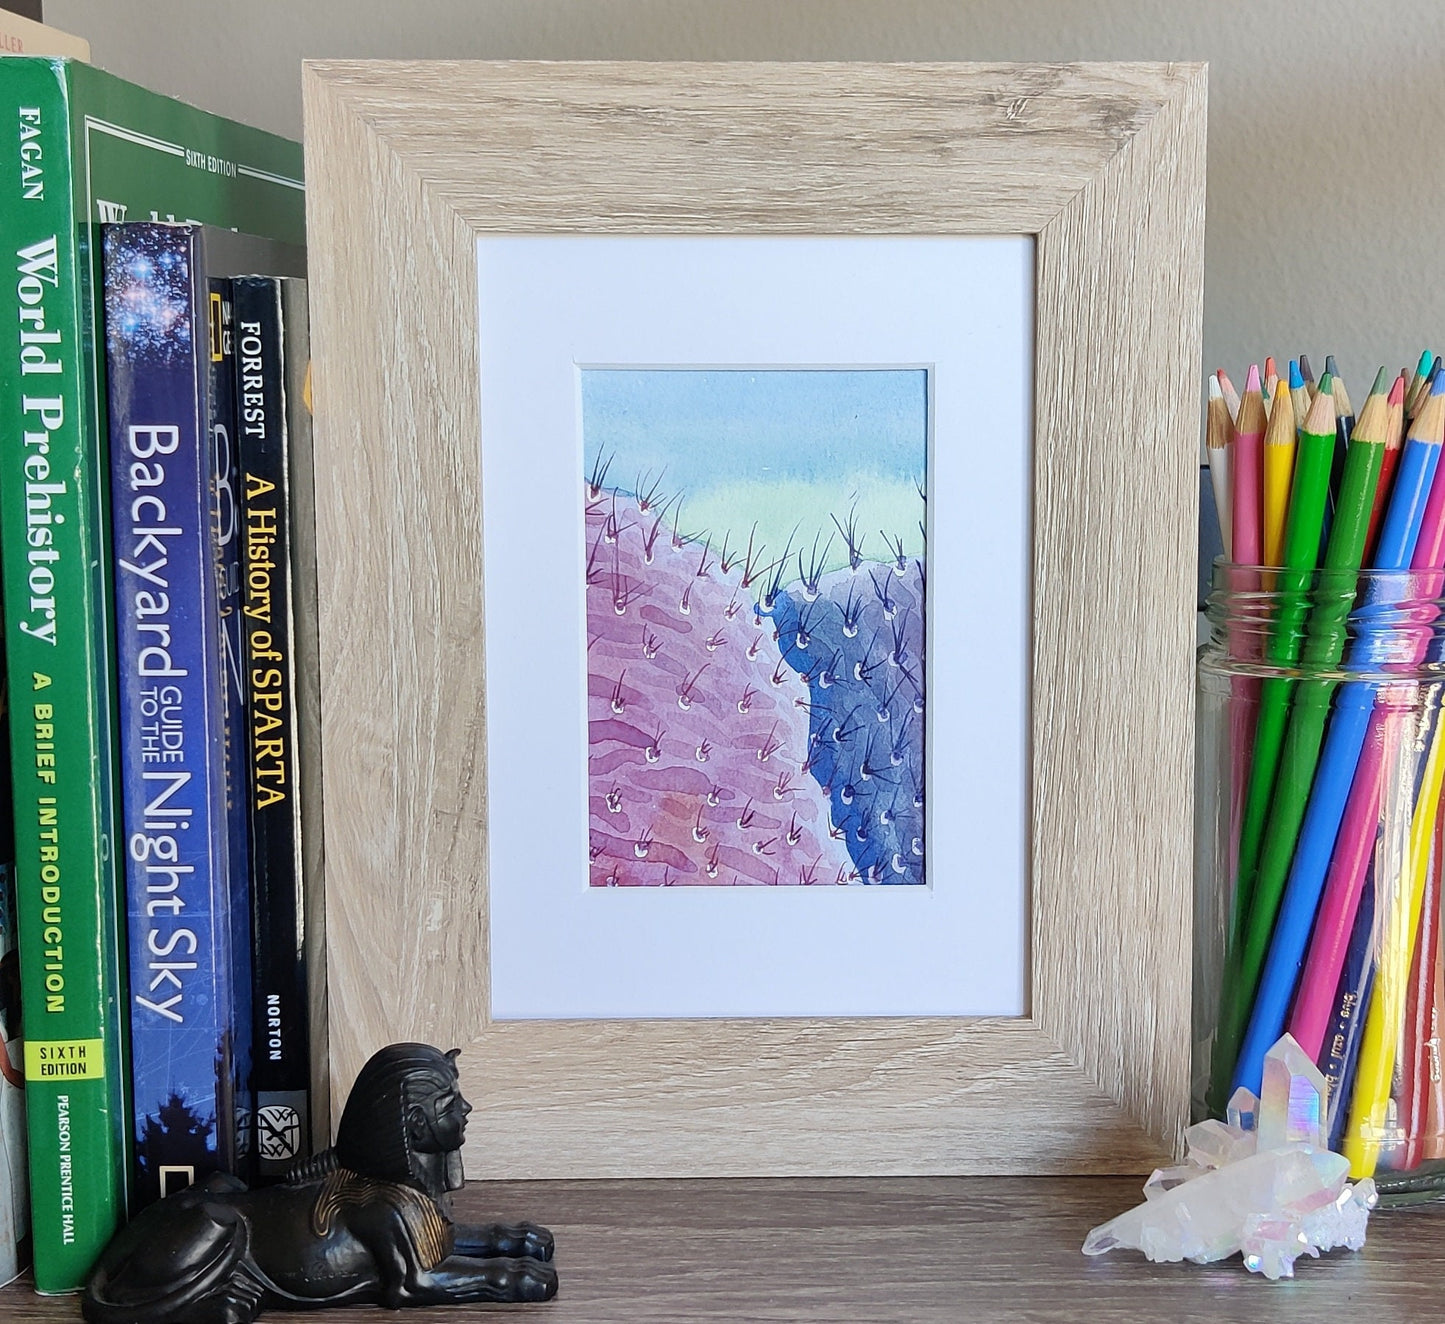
365, 1222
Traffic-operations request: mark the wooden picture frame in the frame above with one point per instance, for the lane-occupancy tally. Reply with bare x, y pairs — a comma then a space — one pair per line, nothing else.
1104, 165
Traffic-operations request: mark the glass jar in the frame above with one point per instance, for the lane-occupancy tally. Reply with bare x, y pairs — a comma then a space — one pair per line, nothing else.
1320, 755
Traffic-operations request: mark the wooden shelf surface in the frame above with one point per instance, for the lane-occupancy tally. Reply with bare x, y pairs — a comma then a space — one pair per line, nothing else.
856, 1251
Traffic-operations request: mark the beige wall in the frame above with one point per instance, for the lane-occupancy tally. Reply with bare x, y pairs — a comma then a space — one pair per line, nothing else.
1326, 152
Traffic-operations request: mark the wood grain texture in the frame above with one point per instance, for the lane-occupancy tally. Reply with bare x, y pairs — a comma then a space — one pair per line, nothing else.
406, 164
920, 1251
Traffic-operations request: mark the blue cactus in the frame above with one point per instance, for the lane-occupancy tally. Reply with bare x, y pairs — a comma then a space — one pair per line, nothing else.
856, 636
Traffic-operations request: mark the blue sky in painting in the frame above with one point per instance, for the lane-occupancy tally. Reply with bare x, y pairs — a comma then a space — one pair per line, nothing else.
779, 447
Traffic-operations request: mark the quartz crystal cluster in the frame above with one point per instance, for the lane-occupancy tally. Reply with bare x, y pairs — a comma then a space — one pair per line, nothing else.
1263, 1183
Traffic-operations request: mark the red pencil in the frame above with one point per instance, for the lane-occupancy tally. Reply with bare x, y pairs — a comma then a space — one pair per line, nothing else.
1419, 1057
1231, 396
1434, 1138
1393, 441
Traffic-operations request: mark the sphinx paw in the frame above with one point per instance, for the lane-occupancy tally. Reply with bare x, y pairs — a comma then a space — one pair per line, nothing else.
537, 1242
532, 1280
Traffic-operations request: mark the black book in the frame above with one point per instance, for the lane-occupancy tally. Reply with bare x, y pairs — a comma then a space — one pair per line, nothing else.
271, 345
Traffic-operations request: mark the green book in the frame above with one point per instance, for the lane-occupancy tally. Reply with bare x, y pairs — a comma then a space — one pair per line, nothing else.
85, 148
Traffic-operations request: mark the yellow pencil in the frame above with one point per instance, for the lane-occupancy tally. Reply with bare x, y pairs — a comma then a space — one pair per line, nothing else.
1279, 448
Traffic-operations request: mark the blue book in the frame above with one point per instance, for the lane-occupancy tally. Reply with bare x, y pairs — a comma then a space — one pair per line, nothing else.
175, 525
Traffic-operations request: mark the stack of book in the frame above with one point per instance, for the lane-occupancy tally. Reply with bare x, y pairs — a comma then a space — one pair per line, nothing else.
158, 617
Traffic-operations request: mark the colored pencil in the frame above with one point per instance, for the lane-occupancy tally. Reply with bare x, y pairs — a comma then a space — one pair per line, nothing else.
1231, 396
1351, 997
1307, 373
1280, 444
1299, 394
1326, 787
1415, 396
1344, 426
1417, 379
1219, 430
1393, 442
1434, 1124
1413, 536
1270, 380
1270, 822
1419, 1008
1245, 506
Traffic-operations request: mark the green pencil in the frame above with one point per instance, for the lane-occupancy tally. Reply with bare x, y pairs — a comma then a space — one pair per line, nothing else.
1309, 493
1322, 649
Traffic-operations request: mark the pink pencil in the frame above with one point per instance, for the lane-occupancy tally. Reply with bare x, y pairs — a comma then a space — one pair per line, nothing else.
1314, 1000
1246, 529
1247, 476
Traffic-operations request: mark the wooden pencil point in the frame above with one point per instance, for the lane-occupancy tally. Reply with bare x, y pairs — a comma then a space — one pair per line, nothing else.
1321, 416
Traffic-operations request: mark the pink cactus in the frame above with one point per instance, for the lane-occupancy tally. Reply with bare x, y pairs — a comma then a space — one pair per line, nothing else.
697, 729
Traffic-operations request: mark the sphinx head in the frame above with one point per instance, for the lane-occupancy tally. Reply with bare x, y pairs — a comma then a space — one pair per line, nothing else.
405, 1119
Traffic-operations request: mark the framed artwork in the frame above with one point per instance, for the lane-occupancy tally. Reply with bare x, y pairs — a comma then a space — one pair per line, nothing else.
756, 529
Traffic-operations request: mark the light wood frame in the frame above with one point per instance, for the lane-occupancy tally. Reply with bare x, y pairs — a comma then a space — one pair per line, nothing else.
407, 164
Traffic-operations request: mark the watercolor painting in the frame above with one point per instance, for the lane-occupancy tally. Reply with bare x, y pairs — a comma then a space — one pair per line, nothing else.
755, 563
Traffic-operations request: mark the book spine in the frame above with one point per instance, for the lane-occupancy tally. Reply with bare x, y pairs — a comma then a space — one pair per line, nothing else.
226, 508
171, 706
53, 541
281, 1043
301, 492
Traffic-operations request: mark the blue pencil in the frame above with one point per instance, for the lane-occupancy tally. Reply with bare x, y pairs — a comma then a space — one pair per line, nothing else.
1339, 758
1342, 1041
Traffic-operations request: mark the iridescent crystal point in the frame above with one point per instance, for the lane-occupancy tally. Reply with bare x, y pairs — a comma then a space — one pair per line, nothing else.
1243, 1110
1292, 1104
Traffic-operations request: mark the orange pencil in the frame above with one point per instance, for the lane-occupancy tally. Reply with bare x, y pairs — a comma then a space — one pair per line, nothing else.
1270, 381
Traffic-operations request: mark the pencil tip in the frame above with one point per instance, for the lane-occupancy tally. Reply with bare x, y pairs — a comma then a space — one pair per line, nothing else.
1397, 391
1251, 382
1424, 367
1216, 392
1437, 381
1321, 418
1295, 380
1269, 366
1330, 369
1305, 370
1380, 379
